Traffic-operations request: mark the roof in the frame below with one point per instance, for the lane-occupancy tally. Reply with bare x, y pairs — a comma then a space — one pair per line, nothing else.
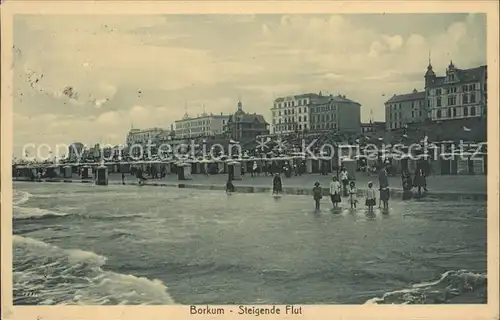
464, 76
420, 95
302, 96
247, 117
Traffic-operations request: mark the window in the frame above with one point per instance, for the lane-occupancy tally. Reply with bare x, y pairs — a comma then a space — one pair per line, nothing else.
452, 100
438, 92
438, 102
473, 97
300, 118
454, 112
473, 111
300, 127
420, 113
465, 99
448, 113
413, 114
438, 114
466, 111
305, 119
300, 110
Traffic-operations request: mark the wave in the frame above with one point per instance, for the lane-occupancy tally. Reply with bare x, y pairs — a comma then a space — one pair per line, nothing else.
460, 286
20, 197
48, 275
29, 213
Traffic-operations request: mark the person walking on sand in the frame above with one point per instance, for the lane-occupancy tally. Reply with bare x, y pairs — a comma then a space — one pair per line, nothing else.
353, 199
370, 197
317, 195
335, 190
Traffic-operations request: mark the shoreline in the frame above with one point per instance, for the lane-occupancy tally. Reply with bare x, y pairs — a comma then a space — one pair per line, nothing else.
299, 191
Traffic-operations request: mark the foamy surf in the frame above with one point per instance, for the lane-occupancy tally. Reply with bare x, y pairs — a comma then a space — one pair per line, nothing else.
46, 274
20, 197
450, 286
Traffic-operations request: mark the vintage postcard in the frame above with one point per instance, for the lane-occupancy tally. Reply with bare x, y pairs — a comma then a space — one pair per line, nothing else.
286, 160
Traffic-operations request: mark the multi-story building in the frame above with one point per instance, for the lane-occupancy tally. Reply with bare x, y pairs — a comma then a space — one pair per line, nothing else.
336, 113
245, 127
460, 94
314, 111
406, 108
205, 125
291, 113
142, 137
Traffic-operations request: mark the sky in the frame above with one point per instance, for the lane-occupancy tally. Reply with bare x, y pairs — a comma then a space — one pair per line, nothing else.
90, 78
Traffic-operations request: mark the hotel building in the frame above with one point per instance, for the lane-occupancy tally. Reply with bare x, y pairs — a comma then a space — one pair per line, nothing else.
206, 125
460, 94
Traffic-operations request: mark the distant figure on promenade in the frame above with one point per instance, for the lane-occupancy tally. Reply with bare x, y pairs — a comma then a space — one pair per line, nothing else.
344, 177
371, 200
406, 181
123, 178
335, 190
229, 187
353, 198
317, 195
277, 184
383, 182
140, 176
255, 169
205, 169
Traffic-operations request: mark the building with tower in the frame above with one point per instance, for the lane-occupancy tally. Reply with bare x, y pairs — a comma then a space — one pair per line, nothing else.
245, 127
459, 94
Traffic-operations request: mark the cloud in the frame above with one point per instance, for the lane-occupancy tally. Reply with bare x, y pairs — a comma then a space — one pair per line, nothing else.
142, 70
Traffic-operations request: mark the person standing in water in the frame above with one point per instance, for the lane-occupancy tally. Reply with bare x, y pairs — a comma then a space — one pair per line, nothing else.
317, 195
277, 185
353, 198
383, 182
370, 197
335, 190
344, 177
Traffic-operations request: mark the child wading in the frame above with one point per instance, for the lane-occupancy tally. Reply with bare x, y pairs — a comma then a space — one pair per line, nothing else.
370, 197
352, 194
344, 177
335, 189
229, 187
317, 194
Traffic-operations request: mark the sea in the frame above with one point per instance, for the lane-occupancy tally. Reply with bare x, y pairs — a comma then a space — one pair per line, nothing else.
80, 244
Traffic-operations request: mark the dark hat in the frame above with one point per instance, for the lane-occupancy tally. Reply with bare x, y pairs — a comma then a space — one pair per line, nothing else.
316, 183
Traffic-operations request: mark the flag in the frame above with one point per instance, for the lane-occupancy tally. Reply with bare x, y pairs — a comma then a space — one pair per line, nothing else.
467, 129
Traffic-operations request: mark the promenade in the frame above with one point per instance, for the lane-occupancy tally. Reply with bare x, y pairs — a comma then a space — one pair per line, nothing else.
449, 187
